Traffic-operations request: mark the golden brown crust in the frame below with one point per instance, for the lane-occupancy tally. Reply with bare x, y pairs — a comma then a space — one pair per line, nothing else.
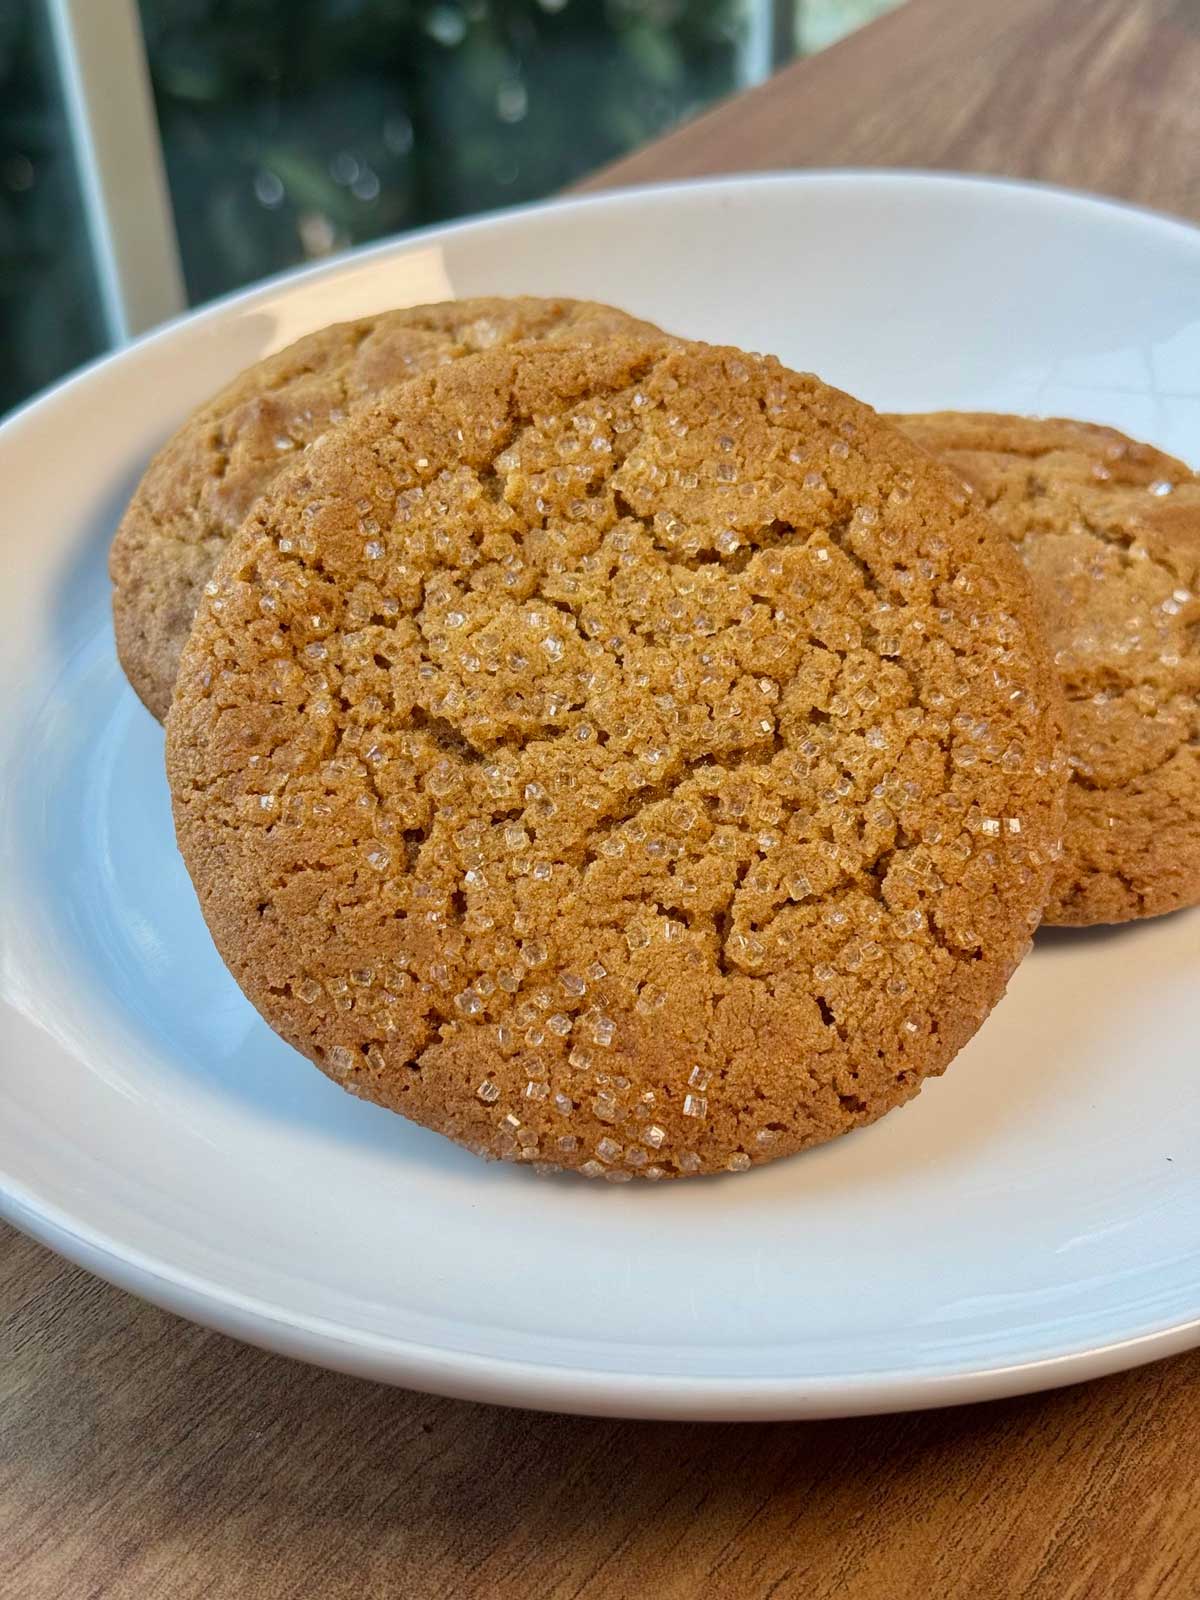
202, 483
640, 760
1110, 532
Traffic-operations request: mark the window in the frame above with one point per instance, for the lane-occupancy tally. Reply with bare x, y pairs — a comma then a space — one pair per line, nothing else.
291, 129
50, 317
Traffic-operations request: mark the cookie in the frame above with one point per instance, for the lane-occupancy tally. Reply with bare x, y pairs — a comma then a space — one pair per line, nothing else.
640, 759
1110, 532
204, 480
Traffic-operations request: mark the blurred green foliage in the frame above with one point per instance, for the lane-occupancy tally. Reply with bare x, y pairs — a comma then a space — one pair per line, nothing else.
295, 127
820, 23
49, 315
292, 128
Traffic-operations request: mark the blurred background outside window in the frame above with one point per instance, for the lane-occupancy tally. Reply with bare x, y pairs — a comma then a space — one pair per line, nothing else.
291, 129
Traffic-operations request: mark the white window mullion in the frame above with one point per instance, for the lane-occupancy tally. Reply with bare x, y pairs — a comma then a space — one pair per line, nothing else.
769, 40
114, 131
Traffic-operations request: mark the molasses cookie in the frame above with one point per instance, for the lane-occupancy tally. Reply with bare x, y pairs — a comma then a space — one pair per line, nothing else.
638, 759
1110, 533
204, 480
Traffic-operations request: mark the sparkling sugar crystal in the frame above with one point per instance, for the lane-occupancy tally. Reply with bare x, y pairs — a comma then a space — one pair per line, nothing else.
603, 1029
605, 1106
341, 1060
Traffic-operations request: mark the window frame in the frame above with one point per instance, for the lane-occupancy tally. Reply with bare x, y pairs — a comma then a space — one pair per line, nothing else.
114, 135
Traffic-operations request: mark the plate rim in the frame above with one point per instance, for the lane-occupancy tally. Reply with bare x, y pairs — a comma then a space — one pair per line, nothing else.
472, 1375
545, 1386
313, 272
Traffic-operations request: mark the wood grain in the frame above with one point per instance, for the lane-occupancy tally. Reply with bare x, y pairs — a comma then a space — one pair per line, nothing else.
145, 1459
1094, 94
141, 1457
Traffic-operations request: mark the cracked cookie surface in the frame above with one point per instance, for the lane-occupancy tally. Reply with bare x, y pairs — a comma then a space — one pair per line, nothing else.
204, 480
640, 760
1109, 530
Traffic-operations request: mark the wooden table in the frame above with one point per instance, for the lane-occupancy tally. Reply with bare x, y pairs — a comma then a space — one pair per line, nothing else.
142, 1457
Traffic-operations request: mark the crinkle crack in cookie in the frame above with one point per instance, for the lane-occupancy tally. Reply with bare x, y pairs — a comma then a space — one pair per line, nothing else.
639, 760
1110, 532
202, 483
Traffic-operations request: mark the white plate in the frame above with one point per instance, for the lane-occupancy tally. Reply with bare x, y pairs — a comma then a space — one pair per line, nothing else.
1032, 1218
